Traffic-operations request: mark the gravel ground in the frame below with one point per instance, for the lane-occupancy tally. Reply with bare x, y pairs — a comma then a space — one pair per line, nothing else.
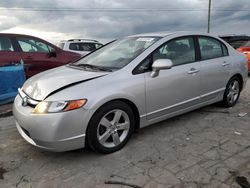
209, 147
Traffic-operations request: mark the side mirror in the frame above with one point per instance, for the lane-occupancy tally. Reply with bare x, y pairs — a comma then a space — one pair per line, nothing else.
160, 64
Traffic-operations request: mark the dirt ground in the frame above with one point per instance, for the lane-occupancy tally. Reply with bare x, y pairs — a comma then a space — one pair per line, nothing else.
209, 147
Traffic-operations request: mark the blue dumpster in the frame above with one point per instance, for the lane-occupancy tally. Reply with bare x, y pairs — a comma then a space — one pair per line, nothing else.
11, 78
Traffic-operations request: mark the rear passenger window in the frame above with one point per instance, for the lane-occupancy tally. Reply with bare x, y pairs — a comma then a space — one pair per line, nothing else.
31, 45
180, 51
79, 46
5, 44
210, 48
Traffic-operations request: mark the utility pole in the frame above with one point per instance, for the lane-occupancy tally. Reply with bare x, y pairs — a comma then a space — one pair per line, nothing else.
209, 12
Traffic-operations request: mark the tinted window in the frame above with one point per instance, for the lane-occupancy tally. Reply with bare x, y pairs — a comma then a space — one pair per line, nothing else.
5, 44
210, 48
79, 46
31, 45
180, 51
144, 66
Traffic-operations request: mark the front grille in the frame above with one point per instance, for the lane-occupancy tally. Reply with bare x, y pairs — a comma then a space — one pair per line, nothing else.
29, 101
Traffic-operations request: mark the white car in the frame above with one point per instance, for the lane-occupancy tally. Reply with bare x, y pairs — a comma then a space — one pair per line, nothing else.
81, 46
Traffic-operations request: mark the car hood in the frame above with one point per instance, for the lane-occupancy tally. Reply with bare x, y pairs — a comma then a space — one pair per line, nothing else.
41, 85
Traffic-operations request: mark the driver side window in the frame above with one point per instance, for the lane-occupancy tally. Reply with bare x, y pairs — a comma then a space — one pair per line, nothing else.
31, 45
180, 51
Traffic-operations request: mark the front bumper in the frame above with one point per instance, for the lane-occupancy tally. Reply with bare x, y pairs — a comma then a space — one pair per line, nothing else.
57, 146
56, 131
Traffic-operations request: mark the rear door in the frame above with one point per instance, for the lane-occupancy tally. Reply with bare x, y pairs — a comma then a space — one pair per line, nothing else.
215, 67
37, 55
177, 88
9, 54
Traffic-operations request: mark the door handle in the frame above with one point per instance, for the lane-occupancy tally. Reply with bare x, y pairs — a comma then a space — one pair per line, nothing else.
225, 64
193, 70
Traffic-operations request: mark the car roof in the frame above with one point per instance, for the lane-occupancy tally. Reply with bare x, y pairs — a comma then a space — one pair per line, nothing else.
24, 35
154, 34
167, 33
234, 35
81, 40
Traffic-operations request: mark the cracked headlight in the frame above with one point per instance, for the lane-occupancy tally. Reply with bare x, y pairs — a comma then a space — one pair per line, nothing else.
45, 107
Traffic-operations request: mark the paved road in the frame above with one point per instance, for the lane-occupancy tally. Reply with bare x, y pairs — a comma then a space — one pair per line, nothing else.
205, 148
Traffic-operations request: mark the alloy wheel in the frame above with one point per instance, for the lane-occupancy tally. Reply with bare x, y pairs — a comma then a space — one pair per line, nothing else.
113, 128
233, 91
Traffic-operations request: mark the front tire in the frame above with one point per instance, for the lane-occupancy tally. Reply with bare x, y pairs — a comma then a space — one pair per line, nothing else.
110, 127
232, 92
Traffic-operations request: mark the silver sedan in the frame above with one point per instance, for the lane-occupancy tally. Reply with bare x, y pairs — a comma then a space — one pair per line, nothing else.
127, 84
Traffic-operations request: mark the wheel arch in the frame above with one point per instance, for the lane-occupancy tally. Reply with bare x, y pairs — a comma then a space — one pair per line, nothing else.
238, 75
131, 104
134, 109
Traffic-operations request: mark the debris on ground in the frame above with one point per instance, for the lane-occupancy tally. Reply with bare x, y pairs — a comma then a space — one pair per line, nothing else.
242, 114
238, 133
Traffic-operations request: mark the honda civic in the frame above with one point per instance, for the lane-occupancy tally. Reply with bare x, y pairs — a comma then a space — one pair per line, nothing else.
128, 84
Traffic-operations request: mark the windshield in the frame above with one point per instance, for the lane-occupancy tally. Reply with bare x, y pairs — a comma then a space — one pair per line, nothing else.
117, 54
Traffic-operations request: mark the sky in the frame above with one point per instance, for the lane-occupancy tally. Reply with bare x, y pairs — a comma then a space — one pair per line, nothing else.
104, 20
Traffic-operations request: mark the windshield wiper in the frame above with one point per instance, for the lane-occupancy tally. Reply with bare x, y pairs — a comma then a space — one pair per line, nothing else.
93, 67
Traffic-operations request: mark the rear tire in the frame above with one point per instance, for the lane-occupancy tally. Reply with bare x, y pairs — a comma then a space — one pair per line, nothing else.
110, 127
232, 92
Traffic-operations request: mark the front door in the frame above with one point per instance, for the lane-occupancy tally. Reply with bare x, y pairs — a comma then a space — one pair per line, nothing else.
177, 88
36, 56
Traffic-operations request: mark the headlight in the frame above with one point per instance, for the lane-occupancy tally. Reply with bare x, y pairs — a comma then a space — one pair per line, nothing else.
58, 106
